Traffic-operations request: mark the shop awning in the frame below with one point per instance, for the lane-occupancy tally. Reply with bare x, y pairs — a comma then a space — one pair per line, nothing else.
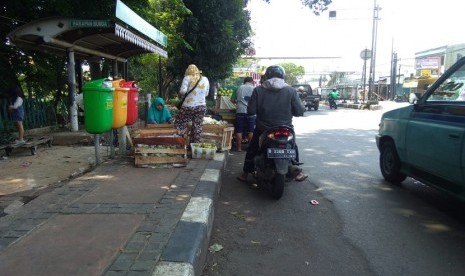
410, 84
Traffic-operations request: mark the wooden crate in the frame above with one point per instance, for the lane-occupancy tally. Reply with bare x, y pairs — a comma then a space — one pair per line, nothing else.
147, 153
221, 135
154, 131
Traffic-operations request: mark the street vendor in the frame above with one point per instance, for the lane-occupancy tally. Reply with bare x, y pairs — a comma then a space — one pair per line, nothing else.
244, 123
158, 112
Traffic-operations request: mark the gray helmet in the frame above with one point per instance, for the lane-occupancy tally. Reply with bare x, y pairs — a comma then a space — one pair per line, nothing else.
275, 71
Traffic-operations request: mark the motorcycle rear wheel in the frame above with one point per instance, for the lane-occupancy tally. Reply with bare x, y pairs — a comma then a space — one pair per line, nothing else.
277, 186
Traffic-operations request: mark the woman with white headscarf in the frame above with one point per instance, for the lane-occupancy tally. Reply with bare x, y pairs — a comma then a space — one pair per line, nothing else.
194, 89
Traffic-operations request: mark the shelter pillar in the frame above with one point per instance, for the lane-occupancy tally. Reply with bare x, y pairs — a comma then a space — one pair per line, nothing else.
73, 110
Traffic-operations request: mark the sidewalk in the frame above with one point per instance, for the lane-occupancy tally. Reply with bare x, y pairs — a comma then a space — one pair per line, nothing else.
116, 220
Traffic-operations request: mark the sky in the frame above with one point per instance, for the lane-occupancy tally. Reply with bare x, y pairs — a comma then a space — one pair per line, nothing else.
286, 28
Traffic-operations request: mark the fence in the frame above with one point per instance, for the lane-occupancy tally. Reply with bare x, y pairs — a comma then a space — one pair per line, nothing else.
37, 113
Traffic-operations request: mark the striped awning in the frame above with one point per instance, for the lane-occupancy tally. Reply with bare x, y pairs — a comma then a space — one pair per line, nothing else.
137, 40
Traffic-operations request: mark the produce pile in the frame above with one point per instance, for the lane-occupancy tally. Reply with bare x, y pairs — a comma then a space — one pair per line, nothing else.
206, 145
211, 121
203, 150
162, 149
223, 91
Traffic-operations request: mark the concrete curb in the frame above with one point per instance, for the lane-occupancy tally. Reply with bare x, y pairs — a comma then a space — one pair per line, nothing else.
362, 106
186, 251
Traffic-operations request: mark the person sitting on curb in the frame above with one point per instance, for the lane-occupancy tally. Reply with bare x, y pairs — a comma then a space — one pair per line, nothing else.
158, 112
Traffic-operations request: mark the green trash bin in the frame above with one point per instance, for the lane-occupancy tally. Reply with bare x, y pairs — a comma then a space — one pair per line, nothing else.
98, 106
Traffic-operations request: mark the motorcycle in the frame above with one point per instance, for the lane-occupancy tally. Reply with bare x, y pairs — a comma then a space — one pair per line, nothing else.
275, 156
332, 104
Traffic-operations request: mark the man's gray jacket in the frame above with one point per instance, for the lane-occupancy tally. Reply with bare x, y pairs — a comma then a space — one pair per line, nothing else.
274, 103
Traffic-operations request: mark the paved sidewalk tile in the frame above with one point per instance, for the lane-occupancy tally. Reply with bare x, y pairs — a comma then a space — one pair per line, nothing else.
114, 220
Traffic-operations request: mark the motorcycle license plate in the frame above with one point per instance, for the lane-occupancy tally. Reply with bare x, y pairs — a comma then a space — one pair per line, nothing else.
281, 153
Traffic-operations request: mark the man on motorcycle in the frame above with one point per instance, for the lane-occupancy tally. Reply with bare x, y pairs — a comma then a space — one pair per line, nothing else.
275, 103
300, 90
332, 96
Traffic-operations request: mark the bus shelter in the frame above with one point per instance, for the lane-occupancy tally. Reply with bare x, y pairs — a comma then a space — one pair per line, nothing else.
92, 40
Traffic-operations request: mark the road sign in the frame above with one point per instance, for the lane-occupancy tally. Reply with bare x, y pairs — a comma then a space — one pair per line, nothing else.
365, 54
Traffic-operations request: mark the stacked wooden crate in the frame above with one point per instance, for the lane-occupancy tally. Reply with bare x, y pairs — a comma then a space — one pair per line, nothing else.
158, 145
221, 135
228, 115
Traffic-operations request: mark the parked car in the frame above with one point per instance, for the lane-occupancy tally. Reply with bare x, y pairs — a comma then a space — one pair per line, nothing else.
426, 139
310, 98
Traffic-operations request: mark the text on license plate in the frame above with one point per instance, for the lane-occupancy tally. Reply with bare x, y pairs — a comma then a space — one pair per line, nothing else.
281, 153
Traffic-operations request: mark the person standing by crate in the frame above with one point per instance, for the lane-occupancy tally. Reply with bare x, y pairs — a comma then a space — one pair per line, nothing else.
194, 89
17, 111
244, 123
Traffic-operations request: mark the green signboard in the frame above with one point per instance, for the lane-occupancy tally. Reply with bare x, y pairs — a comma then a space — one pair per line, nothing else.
128, 16
90, 23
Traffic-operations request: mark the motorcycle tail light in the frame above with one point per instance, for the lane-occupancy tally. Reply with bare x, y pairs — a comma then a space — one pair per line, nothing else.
280, 134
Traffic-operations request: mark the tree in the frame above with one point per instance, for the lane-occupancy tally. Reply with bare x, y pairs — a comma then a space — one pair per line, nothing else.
336, 78
216, 34
293, 72
168, 16
211, 34
317, 6
41, 74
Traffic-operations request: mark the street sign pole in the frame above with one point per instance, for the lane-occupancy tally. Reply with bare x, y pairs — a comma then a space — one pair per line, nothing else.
373, 49
365, 55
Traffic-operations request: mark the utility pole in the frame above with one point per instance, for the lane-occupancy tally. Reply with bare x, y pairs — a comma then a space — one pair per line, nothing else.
393, 78
373, 49
398, 75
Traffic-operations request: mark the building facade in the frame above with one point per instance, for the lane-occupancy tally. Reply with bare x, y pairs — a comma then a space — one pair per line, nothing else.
434, 62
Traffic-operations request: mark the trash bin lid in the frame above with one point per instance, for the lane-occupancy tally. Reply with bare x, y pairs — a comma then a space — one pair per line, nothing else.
118, 85
104, 85
129, 84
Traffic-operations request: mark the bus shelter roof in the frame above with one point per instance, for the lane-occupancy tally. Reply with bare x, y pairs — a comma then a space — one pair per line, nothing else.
89, 39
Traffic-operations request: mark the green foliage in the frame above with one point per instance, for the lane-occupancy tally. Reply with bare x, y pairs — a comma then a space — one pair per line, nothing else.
218, 33
246, 63
232, 82
317, 6
336, 78
211, 103
41, 75
209, 33
293, 72
144, 69
173, 101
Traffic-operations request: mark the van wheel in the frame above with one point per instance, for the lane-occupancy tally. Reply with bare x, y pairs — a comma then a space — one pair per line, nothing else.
389, 163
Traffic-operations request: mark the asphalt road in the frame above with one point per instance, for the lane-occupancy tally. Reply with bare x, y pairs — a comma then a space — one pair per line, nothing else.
361, 226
